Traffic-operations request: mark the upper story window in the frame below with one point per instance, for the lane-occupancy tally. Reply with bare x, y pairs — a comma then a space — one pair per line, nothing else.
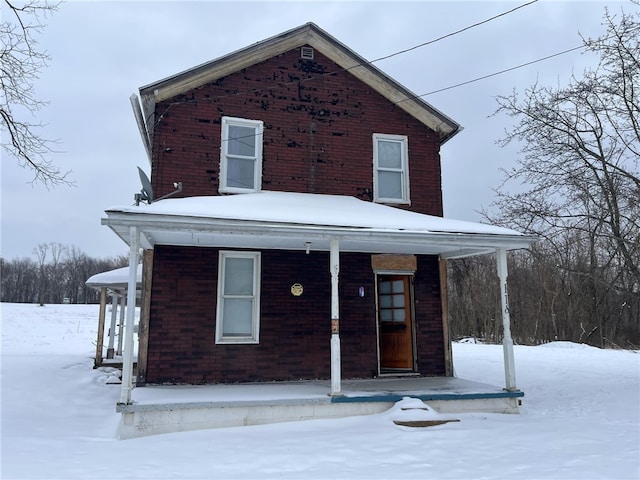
238, 315
241, 155
390, 168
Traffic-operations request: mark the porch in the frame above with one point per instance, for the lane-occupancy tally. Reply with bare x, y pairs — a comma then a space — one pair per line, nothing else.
167, 409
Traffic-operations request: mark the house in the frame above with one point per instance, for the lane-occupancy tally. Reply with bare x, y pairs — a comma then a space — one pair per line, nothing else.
112, 284
307, 240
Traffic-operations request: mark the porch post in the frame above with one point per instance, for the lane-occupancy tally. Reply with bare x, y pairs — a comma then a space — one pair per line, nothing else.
127, 360
123, 300
100, 340
112, 327
334, 259
507, 342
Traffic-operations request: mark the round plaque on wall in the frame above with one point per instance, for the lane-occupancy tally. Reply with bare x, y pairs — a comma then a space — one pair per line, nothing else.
296, 289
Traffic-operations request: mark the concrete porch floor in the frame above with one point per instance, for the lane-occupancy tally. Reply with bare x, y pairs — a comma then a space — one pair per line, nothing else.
173, 408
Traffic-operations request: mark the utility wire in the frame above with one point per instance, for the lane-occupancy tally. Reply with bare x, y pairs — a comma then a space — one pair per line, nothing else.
452, 33
493, 74
386, 56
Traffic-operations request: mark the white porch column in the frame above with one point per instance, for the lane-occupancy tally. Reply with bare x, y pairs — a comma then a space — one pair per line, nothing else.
123, 302
112, 326
127, 360
334, 260
507, 341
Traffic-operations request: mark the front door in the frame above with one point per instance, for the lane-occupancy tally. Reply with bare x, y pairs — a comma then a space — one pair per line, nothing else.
395, 323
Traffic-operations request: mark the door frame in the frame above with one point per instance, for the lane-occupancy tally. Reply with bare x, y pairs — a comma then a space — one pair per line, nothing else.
410, 274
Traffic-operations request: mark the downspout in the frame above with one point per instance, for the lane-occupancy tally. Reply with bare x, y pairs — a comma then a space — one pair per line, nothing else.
334, 260
507, 341
127, 360
142, 125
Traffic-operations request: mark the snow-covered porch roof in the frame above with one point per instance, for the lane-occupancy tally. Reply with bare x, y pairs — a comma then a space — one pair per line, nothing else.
300, 221
113, 279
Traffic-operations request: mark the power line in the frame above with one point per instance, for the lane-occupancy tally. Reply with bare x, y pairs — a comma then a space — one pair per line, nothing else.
452, 33
384, 57
493, 74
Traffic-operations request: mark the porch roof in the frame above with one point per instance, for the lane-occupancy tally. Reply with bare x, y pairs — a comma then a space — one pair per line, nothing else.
117, 279
300, 221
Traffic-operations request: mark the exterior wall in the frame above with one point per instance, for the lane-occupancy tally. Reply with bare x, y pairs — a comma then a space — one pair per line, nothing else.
318, 131
294, 331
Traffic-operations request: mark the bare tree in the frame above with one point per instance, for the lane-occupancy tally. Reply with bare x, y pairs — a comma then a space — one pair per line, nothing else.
21, 61
576, 184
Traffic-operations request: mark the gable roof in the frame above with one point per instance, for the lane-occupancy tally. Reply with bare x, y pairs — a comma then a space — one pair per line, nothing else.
288, 221
307, 34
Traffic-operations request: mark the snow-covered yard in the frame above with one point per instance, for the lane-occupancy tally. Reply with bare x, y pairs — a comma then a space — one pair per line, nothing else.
580, 419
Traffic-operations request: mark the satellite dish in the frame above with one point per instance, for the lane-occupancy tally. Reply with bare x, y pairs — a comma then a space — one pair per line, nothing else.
146, 194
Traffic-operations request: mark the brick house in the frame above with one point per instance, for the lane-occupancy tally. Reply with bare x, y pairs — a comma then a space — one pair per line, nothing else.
307, 241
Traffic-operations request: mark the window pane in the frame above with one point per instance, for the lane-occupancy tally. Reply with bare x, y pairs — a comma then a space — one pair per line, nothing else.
385, 315
390, 185
237, 314
398, 286
389, 154
238, 276
385, 287
398, 316
240, 173
242, 141
398, 300
385, 301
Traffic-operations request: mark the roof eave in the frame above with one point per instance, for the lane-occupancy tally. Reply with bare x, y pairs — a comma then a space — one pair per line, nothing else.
262, 235
308, 34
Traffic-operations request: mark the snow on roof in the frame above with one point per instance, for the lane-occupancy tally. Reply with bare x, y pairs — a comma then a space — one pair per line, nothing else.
310, 209
113, 278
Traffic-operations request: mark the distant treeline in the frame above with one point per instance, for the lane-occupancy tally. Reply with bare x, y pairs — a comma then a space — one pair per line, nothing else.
57, 274
552, 296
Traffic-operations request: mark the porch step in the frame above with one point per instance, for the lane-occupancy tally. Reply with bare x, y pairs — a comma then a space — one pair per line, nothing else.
423, 423
413, 412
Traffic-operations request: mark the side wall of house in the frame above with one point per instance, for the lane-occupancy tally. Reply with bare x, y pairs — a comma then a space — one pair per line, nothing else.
182, 345
319, 122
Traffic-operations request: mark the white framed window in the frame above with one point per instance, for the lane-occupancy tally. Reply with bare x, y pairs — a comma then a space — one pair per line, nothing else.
241, 155
238, 312
390, 168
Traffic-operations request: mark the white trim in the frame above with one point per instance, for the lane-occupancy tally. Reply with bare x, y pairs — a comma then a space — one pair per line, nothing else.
255, 314
507, 341
127, 358
336, 362
411, 274
258, 127
403, 171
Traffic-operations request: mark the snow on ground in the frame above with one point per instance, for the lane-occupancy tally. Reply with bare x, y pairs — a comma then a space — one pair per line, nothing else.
580, 420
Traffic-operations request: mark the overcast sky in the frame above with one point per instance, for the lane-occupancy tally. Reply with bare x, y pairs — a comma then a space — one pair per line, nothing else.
102, 52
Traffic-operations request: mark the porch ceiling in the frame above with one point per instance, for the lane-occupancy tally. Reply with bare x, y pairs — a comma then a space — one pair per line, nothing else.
289, 221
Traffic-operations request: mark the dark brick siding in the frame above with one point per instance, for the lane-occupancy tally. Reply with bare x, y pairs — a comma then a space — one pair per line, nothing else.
317, 139
317, 136
294, 331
